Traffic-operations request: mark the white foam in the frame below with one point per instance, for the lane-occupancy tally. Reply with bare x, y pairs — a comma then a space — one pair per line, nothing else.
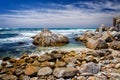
15, 39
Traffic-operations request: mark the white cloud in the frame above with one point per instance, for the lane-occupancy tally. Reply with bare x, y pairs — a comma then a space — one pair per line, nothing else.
69, 16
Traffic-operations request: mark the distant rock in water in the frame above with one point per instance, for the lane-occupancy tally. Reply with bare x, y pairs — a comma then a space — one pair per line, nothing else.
46, 38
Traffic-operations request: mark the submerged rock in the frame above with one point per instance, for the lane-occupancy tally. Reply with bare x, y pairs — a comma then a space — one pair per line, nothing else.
47, 38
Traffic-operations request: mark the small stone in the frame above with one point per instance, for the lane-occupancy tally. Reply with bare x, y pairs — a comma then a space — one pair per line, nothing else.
31, 70
117, 66
45, 71
65, 72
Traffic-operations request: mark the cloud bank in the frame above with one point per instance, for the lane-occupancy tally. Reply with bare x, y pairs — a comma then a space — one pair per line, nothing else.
80, 14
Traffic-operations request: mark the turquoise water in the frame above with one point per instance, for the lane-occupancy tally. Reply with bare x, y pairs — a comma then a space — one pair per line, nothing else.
16, 41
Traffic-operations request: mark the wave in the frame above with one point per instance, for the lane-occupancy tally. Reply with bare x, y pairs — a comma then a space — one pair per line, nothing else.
15, 39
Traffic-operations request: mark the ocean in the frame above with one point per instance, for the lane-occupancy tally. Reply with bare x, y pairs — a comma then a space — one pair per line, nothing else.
16, 41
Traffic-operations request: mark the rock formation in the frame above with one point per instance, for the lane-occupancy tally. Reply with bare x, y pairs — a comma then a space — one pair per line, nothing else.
46, 38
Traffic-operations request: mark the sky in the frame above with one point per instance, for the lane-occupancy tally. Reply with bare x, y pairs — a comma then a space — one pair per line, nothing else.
58, 13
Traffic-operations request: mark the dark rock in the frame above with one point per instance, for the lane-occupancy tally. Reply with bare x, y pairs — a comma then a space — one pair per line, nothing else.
6, 58
65, 72
47, 38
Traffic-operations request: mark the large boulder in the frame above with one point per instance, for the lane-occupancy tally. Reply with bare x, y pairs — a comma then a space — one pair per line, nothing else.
46, 38
96, 44
85, 36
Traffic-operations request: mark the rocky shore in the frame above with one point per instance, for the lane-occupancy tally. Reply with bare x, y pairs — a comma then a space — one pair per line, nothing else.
101, 64
99, 61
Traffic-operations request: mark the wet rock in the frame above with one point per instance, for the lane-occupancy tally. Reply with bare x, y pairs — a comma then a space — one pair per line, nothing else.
6, 58
45, 71
47, 38
65, 72
31, 71
96, 44
90, 68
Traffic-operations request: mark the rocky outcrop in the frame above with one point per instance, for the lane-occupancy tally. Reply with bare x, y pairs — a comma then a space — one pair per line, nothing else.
96, 44
47, 38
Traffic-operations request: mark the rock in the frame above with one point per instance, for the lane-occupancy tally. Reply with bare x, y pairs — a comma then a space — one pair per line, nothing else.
31, 71
92, 78
36, 63
60, 64
25, 78
115, 45
34, 78
114, 76
45, 71
102, 53
81, 78
65, 72
56, 55
9, 77
44, 58
85, 36
96, 44
47, 38
24, 55
19, 72
116, 36
6, 58
87, 74
90, 68
117, 66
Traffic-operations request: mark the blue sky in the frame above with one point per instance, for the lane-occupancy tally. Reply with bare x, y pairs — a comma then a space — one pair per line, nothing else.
58, 13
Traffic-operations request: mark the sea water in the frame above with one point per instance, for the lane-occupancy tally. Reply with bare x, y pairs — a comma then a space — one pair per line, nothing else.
17, 41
